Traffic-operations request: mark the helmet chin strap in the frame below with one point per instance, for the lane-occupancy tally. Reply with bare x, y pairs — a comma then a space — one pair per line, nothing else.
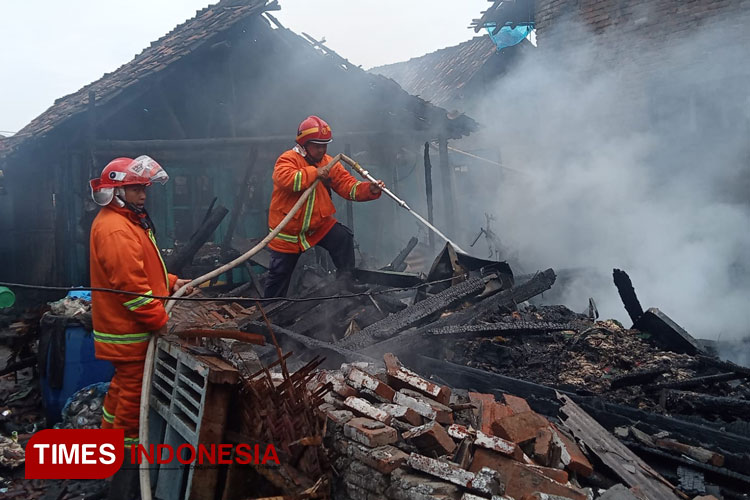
143, 217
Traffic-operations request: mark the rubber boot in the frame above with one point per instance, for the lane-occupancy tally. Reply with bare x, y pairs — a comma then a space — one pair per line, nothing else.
125, 484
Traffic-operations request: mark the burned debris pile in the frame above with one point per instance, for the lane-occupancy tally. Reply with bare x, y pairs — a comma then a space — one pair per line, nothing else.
600, 358
453, 384
665, 396
652, 393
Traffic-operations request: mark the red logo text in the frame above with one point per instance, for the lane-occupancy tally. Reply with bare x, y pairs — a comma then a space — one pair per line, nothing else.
212, 454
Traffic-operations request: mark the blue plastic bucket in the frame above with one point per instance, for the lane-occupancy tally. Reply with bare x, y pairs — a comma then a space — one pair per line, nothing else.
81, 369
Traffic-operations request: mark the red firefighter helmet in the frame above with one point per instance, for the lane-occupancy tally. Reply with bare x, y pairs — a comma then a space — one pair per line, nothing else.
122, 172
313, 129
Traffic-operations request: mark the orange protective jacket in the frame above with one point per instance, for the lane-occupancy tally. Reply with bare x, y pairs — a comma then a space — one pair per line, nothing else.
291, 176
124, 256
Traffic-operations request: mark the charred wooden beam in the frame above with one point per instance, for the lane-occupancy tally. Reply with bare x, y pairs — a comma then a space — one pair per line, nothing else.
666, 332
449, 200
539, 283
333, 352
705, 403
613, 415
388, 303
637, 377
139, 146
428, 190
697, 381
408, 343
398, 264
413, 314
185, 255
388, 278
737, 480
542, 399
507, 328
725, 365
627, 294
287, 313
325, 320
627, 465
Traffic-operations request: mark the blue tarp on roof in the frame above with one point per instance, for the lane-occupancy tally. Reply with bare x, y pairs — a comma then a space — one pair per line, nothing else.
507, 36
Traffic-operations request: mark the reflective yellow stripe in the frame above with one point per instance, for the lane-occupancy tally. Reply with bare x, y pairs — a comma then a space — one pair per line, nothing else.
138, 301
353, 192
166, 275
285, 237
297, 181
108, 416
129, 441
306, 221
307, 132
121, 338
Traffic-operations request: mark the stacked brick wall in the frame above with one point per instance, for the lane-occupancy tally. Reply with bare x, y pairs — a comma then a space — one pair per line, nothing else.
629, 28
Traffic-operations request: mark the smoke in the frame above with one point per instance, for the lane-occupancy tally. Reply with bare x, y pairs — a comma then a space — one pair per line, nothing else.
639, 165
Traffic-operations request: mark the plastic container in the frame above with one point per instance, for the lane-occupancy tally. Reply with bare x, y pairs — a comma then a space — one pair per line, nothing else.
7, 297
81, 369
80, 294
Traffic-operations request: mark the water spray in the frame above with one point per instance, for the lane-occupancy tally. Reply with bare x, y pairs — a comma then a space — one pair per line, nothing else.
364, 173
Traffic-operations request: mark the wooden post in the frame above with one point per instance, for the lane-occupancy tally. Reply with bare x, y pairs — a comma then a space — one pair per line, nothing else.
428, 190
448, 202
239, 200
349, 203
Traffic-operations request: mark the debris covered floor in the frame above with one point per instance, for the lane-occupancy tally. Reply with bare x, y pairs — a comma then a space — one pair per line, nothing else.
454, 386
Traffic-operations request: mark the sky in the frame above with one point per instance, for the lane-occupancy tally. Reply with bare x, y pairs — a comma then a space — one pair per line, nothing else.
50, 48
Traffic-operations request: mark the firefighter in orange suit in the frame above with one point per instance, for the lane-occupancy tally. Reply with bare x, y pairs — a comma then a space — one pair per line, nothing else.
124, 256
314, 224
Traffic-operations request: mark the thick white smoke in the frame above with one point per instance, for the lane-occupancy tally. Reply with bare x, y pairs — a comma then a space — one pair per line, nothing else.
641, 166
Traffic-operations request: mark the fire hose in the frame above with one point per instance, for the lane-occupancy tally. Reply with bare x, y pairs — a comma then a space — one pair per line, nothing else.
364, 173
148, 368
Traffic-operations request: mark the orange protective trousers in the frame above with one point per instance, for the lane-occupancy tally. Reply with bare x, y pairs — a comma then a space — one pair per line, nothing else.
122, 404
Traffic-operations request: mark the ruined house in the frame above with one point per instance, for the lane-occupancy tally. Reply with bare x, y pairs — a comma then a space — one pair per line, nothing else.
200, 100
455, 78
